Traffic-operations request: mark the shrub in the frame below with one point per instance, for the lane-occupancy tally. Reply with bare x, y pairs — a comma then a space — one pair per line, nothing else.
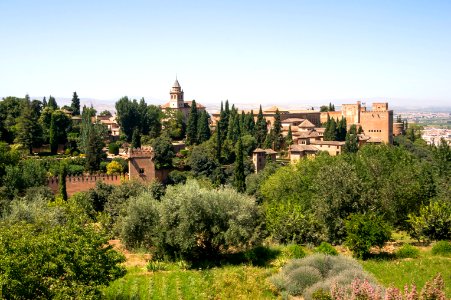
123, 162
407, 251
156, 265
364, 232
288, 222
55, 262
325, 269
176, 177
442, 248
114, 168
326, 248
321, 294
113, 148
294, 251
103, 165
75, 169
433, 222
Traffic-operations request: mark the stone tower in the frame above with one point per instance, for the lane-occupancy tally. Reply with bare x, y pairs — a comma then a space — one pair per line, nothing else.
176, 93
140, 164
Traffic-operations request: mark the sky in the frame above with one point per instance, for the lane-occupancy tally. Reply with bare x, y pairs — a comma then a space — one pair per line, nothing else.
288, 53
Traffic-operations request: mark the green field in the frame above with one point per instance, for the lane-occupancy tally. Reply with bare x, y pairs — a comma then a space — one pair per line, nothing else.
234, 282
249, 282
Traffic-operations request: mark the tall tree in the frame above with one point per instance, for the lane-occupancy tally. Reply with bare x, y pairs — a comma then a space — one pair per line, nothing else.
218, 141
224, 117
341, 129
261, 128
75, 105
191, 129
44, 102
289, 137
53, 139
277, 131
28, 129
52, 103
239, 177
92, 136
203, 128
136, 138
62, 181
128, 116
352, 141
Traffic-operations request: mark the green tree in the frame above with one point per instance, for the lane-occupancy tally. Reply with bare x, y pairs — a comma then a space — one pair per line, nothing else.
28, 130
75, 105
289, 137
203, 128
197, 224
92, 137
218, 141
128, 116
352, 140
364, 232
164, 151
62, 181
55, 262
53, 135
239, 178
277, 132
136, 138
174, 123
261, 129
52, 103
191, 129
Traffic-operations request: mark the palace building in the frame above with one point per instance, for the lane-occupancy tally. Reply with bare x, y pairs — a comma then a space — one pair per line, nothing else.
177, 101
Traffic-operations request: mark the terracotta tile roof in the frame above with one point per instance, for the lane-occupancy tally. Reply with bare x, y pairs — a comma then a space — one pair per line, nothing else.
302, 148
335, 143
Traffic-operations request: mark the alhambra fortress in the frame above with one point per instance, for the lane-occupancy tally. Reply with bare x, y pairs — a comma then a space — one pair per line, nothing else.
376, 127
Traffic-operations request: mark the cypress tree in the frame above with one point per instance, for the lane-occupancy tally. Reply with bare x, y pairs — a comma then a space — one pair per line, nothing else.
52, 103
239, 178
136, 138
44, 102
251, 123
333, 130
191, 130
261, 129
326, 136
218, 141
75, 105
62, 181
289, 137
203, 128
341, 130
277, 132
53, 136
352, 143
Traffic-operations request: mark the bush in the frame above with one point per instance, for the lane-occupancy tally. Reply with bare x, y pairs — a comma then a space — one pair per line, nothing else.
442, 248
55, 262
364, 232
433, 222
114, 167
317, 272
113, 148
407, 251
288, 222
199, 224
123, 162
103, 165
176, 177
326, 248
294, 251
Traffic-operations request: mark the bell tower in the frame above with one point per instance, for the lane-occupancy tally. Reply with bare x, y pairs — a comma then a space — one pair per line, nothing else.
176, 93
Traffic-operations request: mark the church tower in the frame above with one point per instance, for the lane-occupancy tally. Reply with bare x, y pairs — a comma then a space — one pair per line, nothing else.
176, 93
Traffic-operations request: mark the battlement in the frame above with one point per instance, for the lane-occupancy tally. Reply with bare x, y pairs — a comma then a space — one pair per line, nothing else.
81, 183
380, 106
141, 153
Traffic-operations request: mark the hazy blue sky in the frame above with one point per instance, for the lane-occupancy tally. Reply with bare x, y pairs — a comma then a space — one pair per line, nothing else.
270, 52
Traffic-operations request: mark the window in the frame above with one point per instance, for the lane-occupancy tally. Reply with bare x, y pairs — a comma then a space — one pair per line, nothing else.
141, 170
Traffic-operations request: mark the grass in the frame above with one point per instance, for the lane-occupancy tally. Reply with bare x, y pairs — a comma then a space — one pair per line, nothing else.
399, 272
230, 282
242, 281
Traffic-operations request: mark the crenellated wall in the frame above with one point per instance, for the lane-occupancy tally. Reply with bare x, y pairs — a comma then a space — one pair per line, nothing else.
82, 183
